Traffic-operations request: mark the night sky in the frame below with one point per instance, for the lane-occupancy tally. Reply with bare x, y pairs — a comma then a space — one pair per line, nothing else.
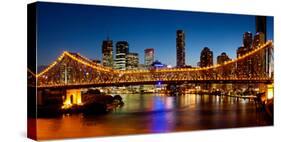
82, 28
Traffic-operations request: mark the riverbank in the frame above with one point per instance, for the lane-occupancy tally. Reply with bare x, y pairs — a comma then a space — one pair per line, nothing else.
93, 104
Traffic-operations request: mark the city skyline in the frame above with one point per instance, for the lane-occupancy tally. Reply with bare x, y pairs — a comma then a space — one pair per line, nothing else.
122, 71
79, 32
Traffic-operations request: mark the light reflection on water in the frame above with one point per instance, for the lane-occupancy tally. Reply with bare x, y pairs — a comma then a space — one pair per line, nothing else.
153, 113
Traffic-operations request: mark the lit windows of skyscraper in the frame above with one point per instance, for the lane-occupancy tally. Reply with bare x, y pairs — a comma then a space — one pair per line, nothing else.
242, 67
259, 60
258, 39
107, 53
227, 69
132, 61
148, 56
122, 49
180, 43
206, 57
247, 43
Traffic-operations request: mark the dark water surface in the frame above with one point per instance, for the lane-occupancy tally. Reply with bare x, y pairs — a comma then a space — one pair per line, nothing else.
154, 113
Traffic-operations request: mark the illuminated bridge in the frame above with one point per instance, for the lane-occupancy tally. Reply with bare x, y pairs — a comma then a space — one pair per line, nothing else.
72, 70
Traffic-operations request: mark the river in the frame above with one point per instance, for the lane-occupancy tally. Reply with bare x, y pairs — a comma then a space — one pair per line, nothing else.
155, 113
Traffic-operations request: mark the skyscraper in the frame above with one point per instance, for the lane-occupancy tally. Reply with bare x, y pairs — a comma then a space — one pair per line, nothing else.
206, 57
258, 39
122, 49
180, 43
148, 56
261, 28
242, 67
261, 25
222, 58
259, 60
247, 40
132, 61
241, 51
107, 53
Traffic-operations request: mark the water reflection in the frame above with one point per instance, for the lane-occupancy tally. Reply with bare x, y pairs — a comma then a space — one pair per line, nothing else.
153, 113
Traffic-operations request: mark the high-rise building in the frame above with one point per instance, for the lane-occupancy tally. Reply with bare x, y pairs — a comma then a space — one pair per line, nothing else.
180, 43
107, 53
259, 60
247, 40
132, 61
148, 56
261, 28
206, 57
258, 39
241, 51
242, 67
222, 58
227, 70
122, 49
261, 25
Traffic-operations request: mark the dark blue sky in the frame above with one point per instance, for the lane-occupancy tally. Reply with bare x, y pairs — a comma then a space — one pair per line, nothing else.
81, 28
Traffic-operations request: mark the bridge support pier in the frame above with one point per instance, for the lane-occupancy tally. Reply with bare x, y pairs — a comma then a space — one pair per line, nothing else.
72, 97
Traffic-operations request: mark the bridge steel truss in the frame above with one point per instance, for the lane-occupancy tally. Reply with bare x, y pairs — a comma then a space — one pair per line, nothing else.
73, 70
